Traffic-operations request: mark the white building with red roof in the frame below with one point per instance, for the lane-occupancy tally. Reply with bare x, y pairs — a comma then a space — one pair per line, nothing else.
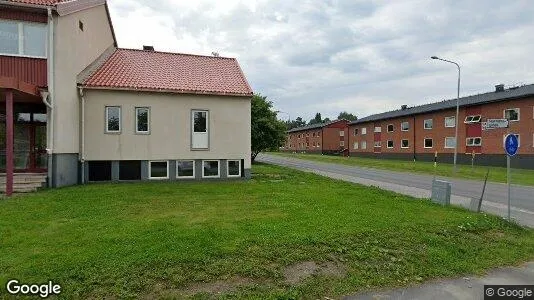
75, 108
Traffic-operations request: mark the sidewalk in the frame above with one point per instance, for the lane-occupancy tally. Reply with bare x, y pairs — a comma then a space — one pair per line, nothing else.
464, 288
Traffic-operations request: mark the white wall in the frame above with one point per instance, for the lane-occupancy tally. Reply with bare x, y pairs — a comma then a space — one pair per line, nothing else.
170, 126
74, 50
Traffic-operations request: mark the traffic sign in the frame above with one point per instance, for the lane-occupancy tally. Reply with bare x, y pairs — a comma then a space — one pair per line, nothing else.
495, 123
511, 144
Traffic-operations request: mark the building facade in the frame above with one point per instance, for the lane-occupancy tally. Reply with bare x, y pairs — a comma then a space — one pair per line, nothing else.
65, 86
325, 138
420, 132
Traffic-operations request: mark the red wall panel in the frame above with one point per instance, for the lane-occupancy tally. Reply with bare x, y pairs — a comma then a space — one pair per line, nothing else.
30, 70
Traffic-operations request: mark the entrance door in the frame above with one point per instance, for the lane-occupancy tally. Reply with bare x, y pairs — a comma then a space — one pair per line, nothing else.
29, 147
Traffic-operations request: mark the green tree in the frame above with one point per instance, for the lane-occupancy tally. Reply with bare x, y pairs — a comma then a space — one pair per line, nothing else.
268, 133
298, 122
317, 120
347, 116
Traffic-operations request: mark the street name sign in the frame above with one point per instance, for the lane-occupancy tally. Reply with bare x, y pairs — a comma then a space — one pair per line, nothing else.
495, 123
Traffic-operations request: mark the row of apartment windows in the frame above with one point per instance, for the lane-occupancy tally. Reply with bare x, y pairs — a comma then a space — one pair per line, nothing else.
185, 169
511, 114
23, 38
307, 145
428, 143
314, 134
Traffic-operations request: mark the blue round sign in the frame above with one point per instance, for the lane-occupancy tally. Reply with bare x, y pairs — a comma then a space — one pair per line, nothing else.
511, 144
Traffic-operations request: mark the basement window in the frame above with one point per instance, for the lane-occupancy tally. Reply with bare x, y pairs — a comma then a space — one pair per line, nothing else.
472, 119
185, 169
234, 168
130, 170
476, 141
99, 171
211, 169
158, 169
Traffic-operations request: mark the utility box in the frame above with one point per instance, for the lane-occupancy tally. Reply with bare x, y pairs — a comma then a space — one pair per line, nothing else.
441, 192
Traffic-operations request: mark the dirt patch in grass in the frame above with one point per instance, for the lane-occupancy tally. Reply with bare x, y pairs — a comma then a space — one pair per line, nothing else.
295, 274
211, 288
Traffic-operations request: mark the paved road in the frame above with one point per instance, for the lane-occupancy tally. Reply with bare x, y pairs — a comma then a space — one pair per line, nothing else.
463, 288
417, 185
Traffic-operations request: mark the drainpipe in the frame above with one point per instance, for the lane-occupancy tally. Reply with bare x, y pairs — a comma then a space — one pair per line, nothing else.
82, 135
414, 141
50, 96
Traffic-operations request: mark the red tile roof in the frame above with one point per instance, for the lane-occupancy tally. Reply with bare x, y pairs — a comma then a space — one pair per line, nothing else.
172, 72
39, 2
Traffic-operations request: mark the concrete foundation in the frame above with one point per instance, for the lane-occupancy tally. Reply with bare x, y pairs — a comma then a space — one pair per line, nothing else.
64, 170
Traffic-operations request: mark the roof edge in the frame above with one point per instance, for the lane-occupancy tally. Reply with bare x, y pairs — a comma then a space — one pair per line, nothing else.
27, 5
84, 75
178, 53
168, 91
308, 127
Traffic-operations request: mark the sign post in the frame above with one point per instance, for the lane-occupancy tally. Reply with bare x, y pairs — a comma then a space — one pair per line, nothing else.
511, 144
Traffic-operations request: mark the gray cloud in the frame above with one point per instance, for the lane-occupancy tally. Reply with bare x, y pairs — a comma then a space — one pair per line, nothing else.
360, 56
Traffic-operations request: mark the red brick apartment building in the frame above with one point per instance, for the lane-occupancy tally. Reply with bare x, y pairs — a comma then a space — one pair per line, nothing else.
325, 138
418, 132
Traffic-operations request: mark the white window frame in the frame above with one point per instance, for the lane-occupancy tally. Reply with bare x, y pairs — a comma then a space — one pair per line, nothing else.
407, 147
472, 119
228, 168
392, 144
364, 130
408, 123
199, 137
356, 146
363, 145
453, 123
342, 133
424, 143
342, 143
518, 139
137, 120
355, 132
218, 168
107, 119
518, 114
379, 144
378, 129
20, 28
424, 124
186, 177
448, 138
392, 126
473, 139
150, 170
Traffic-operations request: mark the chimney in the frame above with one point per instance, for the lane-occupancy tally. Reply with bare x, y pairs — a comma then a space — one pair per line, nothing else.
499, 88
404, 107
148, 48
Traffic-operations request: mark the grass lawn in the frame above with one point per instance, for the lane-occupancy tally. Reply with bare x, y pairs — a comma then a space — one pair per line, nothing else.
497, 174
284, 234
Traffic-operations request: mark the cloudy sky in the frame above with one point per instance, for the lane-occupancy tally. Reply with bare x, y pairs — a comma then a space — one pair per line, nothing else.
360, 56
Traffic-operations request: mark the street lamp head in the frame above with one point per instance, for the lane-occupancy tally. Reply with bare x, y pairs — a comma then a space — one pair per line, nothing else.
434, 57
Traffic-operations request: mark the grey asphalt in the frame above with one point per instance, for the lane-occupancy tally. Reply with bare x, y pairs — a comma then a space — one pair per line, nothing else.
462, 288
495, 199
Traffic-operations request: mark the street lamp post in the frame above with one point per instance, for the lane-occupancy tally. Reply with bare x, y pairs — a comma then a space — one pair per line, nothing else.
457, 110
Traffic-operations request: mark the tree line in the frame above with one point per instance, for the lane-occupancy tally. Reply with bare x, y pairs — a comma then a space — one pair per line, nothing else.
269, 133
299, 122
